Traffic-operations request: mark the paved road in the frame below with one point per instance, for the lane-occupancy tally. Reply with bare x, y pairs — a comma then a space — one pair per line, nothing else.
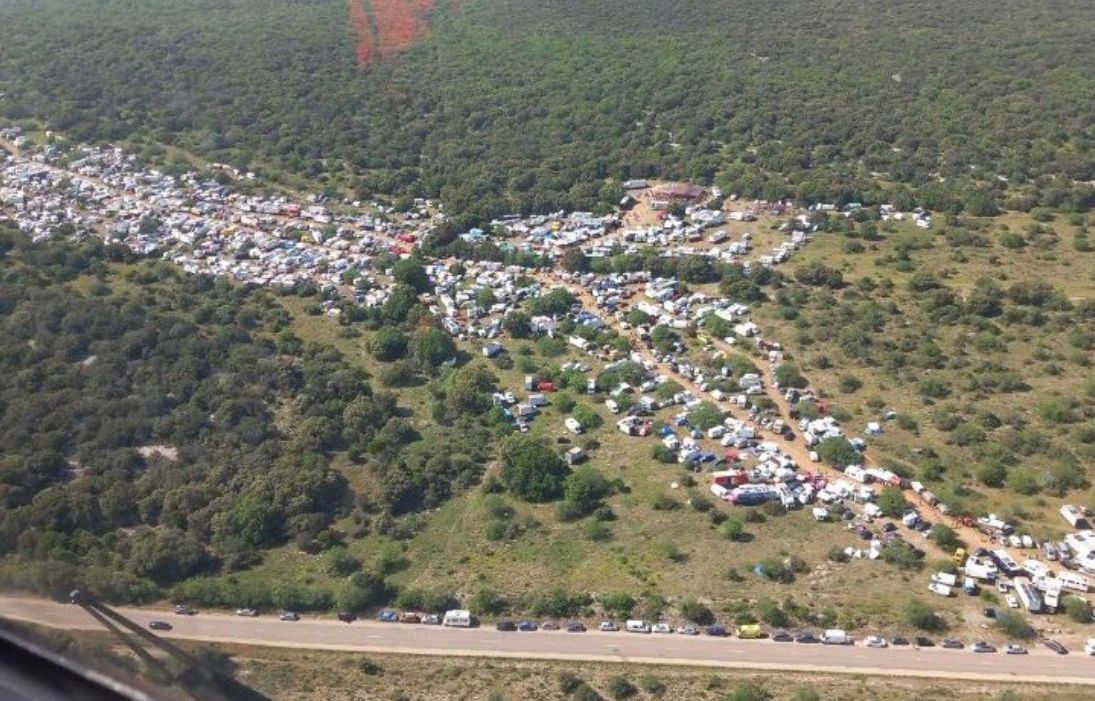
369, 636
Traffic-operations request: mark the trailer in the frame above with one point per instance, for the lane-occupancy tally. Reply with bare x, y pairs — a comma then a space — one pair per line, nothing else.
1006, 564
1028, 596
457, 618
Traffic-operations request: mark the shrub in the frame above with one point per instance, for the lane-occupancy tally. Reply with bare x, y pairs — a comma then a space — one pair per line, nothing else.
569, 682
1077, 608
664, 502
850, 384
747, 691
620, 604
620, 688
733, 529
945, 537
651, 685
531, 470
696, 612
597, 532
1014, 626
920, 615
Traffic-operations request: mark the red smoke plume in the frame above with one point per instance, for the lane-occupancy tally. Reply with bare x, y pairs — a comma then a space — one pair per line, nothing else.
398, 24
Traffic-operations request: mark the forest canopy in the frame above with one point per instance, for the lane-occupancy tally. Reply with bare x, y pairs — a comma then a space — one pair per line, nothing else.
513, 105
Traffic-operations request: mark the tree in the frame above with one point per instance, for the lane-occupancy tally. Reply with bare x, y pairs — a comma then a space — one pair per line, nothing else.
892, 502
1077, 608
788, 375
410, 272
705, 415
574, 261
485, 297
431, 346
838, 452
517, 324
587, 416
554, 303
585, 488
388, 344
531, 470
945, 537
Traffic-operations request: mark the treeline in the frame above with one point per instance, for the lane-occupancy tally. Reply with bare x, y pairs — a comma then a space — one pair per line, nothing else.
537, 106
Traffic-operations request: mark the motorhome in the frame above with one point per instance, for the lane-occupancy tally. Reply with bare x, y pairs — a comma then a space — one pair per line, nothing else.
457, 618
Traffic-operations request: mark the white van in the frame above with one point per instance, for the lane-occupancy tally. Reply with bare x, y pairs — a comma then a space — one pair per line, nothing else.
636, 626
612, 406
457, 618
836, 636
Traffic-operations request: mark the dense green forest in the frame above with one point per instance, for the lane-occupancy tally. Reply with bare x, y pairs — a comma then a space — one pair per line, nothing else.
156, 426
519, 105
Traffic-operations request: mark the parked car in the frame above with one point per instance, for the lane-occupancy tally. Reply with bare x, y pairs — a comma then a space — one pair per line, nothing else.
807, 637
953, 644
874, 641
432, 619
1013, 602
1055, 646
290, 616
506, 626
609, 627
409, 617
549, 625
250, 613
159, 625
717, 631
1015, 649
922, 641
661, 628
528, 626
347, 616
781, 636
1001, 586
387, 616
688, 630
899, 640
184, 610
576, 627
982, 646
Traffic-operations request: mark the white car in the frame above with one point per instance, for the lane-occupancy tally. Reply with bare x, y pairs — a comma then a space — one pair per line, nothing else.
1089, 647
1002, 587
1012, 601
609, 627
688, 630
875, 641
250, 613
662, 628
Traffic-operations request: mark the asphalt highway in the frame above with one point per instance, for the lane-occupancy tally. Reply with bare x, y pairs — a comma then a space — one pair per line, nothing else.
370, 636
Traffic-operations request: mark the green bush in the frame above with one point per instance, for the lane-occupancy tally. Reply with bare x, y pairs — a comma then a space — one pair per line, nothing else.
920, 615
621, 688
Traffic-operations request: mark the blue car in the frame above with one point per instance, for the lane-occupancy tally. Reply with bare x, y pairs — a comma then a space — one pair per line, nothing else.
527, 625
388, 616
717, 631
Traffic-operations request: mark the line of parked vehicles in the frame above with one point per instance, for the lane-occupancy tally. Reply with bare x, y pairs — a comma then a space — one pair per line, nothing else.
832, 636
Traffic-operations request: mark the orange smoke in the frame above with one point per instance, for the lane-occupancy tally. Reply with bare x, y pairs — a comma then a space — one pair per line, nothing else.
359, 20
398, 24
